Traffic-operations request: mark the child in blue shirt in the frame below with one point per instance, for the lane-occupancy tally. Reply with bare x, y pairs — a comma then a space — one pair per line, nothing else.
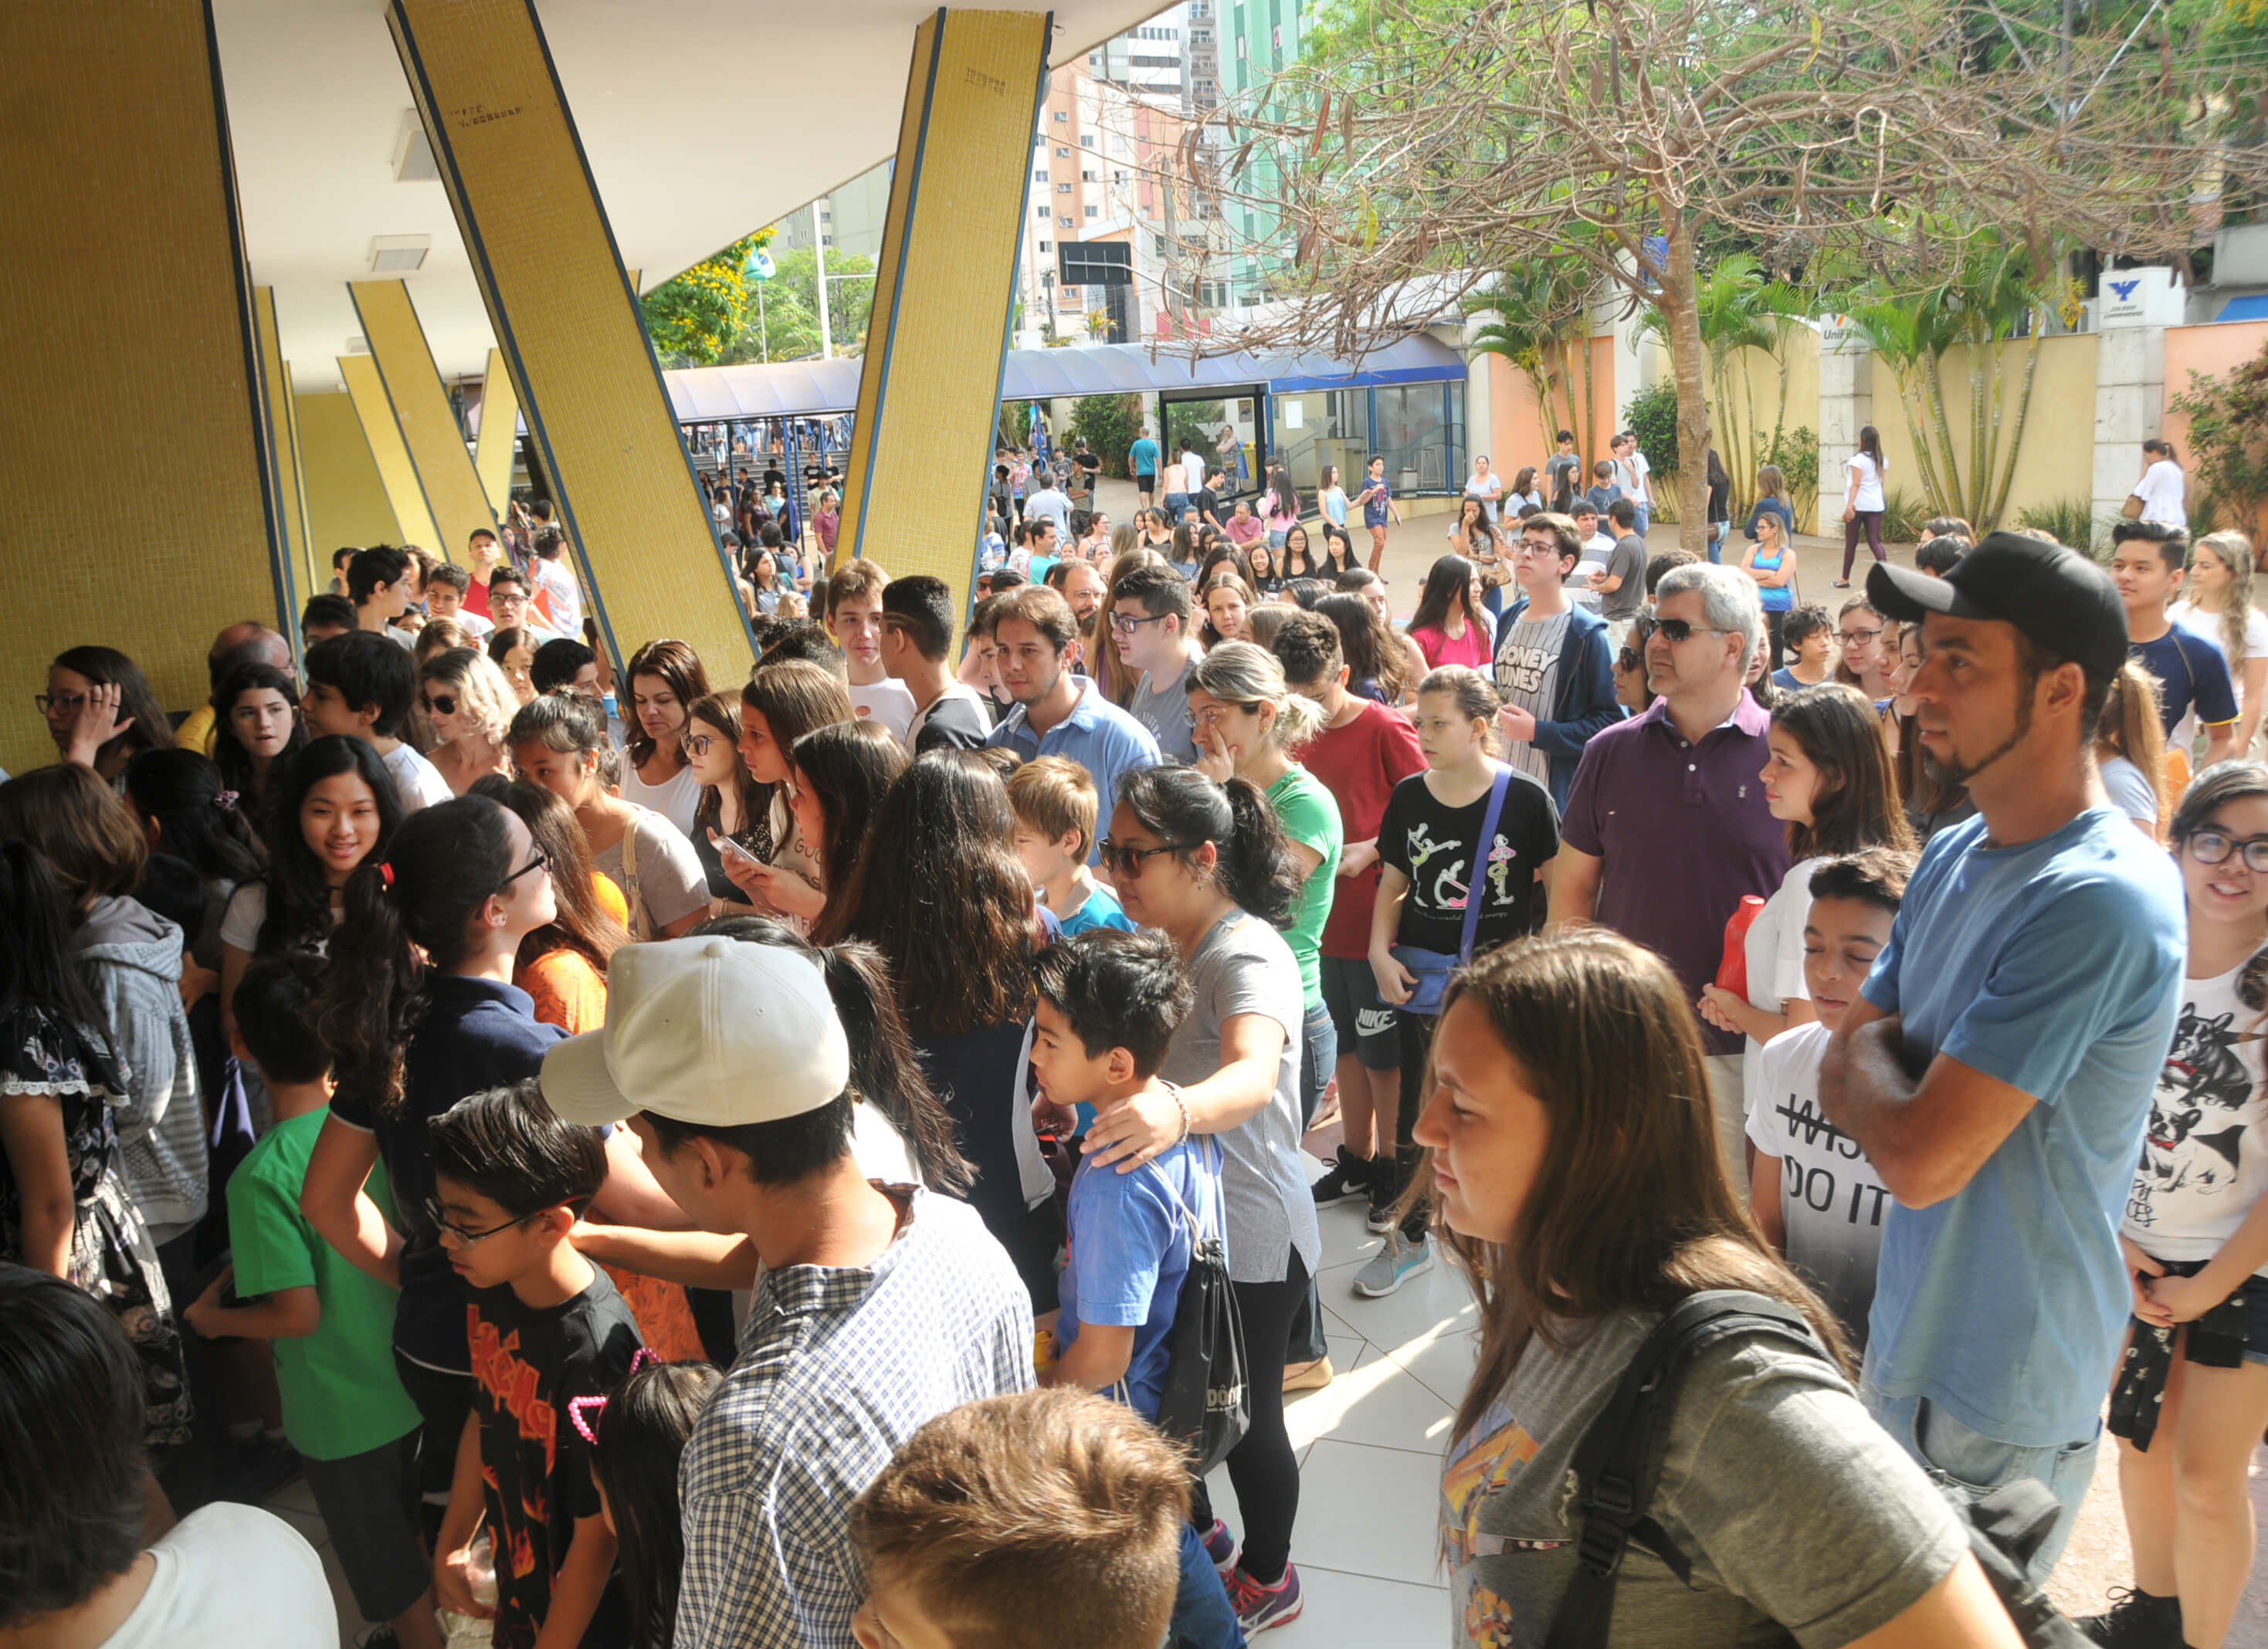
1056, 805
1109, 1005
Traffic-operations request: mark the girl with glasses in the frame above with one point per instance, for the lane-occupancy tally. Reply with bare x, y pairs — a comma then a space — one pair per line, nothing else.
469, 707
1867, 639
733, 806
99, 709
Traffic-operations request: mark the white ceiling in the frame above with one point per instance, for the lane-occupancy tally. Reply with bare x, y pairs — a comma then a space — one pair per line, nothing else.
701, 123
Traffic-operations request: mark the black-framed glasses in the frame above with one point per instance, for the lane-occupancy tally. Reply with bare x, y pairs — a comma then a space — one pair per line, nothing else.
1123, 861
537, 859
1855, 637
1126, 623
58, 704
449, 1228
439, 704
1677, 630
2210, 847
699, 743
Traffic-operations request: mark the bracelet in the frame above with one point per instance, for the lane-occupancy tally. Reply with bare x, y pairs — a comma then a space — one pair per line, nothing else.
1182, 1105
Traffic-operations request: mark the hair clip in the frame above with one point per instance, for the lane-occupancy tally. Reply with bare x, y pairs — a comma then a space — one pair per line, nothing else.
597, 1406
225, 801
386, 872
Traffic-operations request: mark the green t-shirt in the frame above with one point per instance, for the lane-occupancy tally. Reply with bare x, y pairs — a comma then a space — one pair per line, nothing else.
341, 1394
1310, 816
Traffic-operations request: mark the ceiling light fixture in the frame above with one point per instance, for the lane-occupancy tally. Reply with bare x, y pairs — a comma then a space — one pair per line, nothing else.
413, 153
398, 255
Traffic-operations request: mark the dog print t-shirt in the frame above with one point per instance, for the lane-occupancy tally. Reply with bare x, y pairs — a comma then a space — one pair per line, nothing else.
2204, 1161
1432, 844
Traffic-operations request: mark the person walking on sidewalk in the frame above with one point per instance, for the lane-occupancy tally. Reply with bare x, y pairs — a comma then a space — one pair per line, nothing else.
1864, 501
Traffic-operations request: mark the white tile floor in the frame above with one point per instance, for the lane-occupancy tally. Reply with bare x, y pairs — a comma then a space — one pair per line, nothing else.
1370, 1448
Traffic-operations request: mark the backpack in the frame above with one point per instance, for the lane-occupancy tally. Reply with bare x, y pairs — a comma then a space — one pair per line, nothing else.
1617, 1467
1206, 1402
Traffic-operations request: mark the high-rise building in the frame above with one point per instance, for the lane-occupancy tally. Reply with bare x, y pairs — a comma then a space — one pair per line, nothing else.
1152, 58
1258, 39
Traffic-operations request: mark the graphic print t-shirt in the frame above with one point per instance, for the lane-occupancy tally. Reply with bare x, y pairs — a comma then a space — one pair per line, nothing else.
1433, 845
1527, 674
1830, 1197
2203, 1165
528, 1364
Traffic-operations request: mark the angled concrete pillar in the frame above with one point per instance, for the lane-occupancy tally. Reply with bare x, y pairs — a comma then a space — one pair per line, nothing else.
499, 431
430, 429
117, 142
599, 420
405, 494
285, 475
944, 293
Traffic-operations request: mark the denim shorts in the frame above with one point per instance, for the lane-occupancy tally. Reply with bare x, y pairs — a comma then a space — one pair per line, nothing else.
1366, 1025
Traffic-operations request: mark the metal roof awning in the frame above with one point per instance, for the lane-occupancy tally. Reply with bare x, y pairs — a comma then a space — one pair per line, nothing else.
788, 389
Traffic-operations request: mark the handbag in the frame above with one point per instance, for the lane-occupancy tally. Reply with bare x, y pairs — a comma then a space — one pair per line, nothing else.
1206, 1402
2132, 508
1432, 969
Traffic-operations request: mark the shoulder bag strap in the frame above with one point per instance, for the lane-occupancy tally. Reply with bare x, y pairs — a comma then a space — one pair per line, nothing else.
1199, 1229
1474, 882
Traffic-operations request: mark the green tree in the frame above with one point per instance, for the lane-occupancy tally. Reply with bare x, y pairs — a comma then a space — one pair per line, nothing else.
694, 318
1738, 309
783, 324
2228, 441
1539, 320
1107, 424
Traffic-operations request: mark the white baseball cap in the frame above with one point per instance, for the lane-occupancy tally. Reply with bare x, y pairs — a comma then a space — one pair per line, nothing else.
716, 1032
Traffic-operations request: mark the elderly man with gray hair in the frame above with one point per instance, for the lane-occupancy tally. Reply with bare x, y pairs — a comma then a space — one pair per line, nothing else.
1666, 829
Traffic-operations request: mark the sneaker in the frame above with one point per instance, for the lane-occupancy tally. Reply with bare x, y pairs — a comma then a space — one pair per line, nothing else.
1310, 1376
1397, 1261
1347, 1178
2136, 1620
1380, 1218
1220, 1546
1260, 1607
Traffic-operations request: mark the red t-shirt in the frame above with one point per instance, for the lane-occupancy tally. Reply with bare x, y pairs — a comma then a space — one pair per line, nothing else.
477, 597
1360, 764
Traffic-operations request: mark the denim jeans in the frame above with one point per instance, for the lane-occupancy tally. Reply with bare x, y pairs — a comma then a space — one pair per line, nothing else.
1644, 515
1971, 1465
1319, 1058
1202, 1616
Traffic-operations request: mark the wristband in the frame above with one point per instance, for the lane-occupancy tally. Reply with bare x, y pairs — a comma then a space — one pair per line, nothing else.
1182, 1105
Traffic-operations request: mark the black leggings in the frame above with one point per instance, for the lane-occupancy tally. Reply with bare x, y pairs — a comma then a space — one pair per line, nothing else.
442, 1402
1871, 521
1417, 1049
1262, 1467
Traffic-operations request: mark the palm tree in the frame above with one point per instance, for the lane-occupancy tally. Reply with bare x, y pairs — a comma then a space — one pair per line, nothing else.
1540, 321
1741, 310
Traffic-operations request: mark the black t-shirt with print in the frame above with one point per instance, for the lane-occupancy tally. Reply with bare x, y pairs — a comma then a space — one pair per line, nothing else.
1432, 846
528, 1364
1204, 501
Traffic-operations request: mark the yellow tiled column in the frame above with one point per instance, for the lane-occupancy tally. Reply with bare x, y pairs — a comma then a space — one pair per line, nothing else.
285, 475
599, 420
405, 494
117, 143
429, 430
937, 340
492, 454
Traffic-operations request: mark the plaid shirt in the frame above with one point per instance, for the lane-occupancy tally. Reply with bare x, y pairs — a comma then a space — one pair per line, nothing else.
837, 1367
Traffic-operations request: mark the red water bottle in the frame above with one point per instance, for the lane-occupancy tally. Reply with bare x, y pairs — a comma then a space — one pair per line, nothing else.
1732, 970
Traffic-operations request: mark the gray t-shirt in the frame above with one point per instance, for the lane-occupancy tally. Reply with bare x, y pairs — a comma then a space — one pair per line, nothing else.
1527, 674
670, 883
1790, 1504
1245, 966
1166, 713
1626, 561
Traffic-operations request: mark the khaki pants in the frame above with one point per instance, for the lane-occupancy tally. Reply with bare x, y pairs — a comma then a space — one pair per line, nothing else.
1727, 1091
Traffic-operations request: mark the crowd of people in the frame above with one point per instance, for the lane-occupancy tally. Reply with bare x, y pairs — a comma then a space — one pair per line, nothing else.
777, 1162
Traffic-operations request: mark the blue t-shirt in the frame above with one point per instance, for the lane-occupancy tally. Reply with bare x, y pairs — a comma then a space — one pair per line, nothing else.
1129, 1252
2191, 672
1374, 509
1146, 457
1100, 911
1098, 735
2055, 967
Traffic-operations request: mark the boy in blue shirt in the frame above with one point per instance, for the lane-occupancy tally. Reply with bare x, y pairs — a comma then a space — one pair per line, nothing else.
2146, 564
1109, 1005
344, 1410
1056, 805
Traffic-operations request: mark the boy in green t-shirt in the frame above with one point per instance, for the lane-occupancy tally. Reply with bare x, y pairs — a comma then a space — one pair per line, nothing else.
344, 1410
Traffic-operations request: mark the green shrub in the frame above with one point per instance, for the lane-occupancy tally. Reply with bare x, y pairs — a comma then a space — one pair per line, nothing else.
1107, 423
1651, 416
1903, 515
1796, 452
2072, 521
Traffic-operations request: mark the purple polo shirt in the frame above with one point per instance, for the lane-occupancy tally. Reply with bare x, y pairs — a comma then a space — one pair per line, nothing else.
1682, 834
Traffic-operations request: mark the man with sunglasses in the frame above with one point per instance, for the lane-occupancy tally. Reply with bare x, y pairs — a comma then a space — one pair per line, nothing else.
1998, 1070
1149, 626
1553, 665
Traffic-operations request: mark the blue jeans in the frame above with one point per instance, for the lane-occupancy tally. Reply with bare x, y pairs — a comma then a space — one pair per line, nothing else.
1202, 1618
1645, 515
1971, 1465
1717, 541
1177, 505
1319, 1058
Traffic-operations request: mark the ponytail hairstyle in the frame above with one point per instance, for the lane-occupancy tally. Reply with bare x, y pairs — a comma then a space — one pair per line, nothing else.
1240, 673
1255, 866
2164, 449
199, 819
2129, 725
1473, 696
885, 1072
298, 890
1870, 443
849, 766
638, 1438
583, 925
447, 862
2234, 551
235, 761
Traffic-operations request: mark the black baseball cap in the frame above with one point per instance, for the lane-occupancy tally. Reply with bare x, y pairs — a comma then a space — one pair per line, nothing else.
2063, 602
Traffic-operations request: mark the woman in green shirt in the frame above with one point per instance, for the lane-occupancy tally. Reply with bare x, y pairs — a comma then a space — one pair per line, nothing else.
1247, 724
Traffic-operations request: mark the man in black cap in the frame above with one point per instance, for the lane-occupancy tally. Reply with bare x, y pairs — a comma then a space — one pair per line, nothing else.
1999, 1068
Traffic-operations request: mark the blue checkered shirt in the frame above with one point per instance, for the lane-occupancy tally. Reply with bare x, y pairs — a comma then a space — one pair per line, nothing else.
837, 1367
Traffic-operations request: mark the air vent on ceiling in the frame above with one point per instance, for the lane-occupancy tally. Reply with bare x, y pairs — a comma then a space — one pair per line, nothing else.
398, 255
357, 346
413, 154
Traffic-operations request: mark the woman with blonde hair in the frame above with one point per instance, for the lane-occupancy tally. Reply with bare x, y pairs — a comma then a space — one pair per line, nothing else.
1571, 1162
2219, 606
468, 706
2130, 748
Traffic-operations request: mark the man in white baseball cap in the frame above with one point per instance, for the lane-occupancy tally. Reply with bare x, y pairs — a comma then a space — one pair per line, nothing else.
880, 1306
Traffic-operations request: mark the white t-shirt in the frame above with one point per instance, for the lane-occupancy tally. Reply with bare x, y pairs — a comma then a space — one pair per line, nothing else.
676, 800
2195, 619
1488, 488
1193, 472
247, 911
1870, 482
1639, 470
2163, 490
236, 1575
417, 781
1831, 1198
1774, 948
472, 623
886, 702
555, 586
2129, 789
670, 882
2204, 1162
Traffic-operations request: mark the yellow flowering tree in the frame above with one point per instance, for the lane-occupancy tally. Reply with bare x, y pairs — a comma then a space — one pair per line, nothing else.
694, 318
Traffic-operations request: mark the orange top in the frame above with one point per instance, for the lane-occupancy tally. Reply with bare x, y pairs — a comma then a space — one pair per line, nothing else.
610, 897
569, 991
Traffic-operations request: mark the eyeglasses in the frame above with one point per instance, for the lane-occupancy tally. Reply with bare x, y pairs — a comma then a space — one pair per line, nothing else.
537, 859
1677, 630
699, 743
58, 704
438, 704
1126, 623
2210, 847
1128, 861
1854, 637
448, 1229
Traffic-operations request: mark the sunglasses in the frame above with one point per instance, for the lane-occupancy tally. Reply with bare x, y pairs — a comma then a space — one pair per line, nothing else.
1123, 861
438, 704
1677, 630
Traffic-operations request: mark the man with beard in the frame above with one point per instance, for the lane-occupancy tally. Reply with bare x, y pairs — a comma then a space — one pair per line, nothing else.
1998, 1067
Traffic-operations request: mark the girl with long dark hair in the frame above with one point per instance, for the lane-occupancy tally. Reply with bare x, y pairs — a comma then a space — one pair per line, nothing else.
733, 806
1376, 666
99, 709
666, 681
563, 964
188, 812
1864, 500
1338, 554
1447, 626
1208, 865
640, 1435
1295, 561
255, 725
512, 648
780, 704
1572, 1164
840, 773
